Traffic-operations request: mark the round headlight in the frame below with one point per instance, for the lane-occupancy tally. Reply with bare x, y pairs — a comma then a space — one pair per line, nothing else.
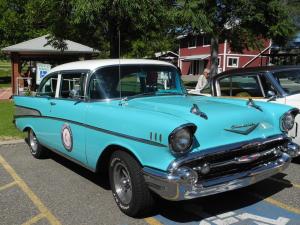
287, 121
181, 140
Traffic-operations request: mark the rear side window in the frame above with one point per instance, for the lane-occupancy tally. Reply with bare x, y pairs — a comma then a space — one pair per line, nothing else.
48, 86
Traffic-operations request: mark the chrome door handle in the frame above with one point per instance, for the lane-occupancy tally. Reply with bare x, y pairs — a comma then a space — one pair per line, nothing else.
52, 103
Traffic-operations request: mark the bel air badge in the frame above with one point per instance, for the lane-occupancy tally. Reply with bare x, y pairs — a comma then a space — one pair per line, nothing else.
243, 129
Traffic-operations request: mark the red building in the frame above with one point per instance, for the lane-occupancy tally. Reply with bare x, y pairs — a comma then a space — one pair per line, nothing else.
194, 55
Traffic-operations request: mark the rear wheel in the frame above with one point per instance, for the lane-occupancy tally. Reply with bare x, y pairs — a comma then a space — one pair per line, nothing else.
128, 185
36, 149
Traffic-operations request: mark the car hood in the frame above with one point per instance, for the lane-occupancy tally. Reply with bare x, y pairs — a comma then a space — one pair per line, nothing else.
293, 100
226, 119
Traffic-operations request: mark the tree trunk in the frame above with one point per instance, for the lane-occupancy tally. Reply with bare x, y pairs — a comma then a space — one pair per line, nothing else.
214, 52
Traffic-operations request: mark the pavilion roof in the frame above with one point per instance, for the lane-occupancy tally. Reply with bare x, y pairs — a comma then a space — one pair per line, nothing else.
39, 45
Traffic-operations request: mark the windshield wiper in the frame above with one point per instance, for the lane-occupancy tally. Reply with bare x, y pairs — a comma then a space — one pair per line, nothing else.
169, 93
140, 95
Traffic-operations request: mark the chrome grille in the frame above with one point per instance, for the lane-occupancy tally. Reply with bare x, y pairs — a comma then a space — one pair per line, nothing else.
238, 160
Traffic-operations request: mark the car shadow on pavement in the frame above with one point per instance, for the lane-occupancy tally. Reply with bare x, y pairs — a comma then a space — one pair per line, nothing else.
97, 178
296, 160
199, 209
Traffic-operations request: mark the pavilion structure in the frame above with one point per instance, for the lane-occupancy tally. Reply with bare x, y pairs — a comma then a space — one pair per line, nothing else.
38, 50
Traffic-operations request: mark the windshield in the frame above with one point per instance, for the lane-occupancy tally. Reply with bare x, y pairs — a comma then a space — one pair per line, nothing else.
289, 80
135, 80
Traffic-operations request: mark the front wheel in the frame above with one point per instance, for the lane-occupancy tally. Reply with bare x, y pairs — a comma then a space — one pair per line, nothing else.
128, 185
36, 149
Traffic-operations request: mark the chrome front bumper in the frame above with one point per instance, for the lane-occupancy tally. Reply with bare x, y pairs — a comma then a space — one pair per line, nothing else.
177, 186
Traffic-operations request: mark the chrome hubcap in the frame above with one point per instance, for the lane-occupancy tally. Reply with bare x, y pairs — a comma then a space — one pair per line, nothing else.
122, 182
33, 142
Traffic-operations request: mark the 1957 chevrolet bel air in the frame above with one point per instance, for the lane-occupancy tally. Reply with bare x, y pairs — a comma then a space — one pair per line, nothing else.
133, 120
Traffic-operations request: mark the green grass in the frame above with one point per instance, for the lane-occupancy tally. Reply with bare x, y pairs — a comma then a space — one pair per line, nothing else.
7, 128
5, 74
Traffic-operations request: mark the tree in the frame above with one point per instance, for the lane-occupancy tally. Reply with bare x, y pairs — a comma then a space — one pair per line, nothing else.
243, 23
294, 11
100, 23
13, 26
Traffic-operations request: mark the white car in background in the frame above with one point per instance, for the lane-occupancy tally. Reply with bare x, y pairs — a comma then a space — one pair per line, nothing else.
278, 84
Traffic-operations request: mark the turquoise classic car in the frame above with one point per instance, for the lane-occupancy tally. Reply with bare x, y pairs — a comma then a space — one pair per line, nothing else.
133, 120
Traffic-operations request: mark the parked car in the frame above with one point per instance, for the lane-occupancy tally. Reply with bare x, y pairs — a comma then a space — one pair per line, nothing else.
279, 84
133, 120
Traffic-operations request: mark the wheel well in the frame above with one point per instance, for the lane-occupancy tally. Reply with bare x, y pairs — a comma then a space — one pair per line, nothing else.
26, 129
103, 161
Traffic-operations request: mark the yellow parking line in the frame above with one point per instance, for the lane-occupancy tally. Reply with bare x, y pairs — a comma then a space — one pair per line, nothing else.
284, 182
7, 185
152, 221
277, 203
36, 201
35, 219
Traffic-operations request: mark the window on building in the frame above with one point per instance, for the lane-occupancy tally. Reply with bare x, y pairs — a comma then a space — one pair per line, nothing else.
195, 67
233, 62
192, 42
206, 40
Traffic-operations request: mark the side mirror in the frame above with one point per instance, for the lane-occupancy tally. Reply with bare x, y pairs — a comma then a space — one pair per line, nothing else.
271, 95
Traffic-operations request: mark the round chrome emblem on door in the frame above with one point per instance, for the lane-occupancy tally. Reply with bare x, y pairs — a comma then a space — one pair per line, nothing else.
66, 137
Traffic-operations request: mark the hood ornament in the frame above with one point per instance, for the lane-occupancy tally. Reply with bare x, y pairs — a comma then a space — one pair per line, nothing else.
251, 103
243, 129
195, 110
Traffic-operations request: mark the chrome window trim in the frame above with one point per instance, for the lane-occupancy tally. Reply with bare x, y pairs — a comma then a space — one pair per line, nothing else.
40, 86
260, 85
58, 85
274, 82
60, 72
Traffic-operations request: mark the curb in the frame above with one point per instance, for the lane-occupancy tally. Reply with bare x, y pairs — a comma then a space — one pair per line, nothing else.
17, 141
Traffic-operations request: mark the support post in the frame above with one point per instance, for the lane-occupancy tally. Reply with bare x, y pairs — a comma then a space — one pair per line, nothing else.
15, 63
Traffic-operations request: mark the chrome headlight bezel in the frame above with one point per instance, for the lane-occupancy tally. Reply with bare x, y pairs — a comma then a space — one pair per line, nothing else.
287, 121
186, 130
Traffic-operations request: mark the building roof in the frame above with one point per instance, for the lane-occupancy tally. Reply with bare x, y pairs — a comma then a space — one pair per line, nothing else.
161, 54
195, 57
94, 64
39, 45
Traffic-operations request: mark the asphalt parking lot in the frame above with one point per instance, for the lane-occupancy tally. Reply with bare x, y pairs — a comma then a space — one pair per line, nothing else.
57, 191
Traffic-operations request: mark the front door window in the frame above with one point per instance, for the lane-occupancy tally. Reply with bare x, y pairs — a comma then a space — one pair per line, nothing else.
240, 86
72, 85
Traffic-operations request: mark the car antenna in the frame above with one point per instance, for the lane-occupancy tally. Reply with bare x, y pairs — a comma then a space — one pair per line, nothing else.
119, 34
119, 45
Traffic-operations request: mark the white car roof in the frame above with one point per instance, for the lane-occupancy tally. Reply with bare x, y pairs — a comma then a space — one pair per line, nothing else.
94, 64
